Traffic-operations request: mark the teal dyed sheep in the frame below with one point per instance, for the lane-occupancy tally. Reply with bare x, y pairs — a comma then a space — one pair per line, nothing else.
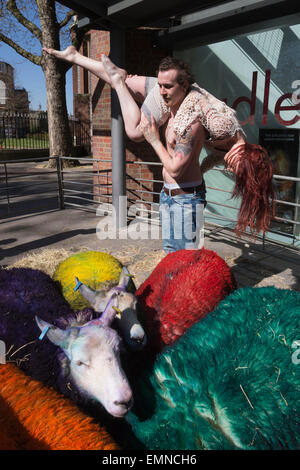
231, 382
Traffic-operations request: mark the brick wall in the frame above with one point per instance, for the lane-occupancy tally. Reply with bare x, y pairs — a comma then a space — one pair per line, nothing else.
141, 59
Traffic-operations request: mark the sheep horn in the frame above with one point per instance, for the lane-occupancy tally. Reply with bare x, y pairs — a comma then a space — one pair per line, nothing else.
125, 277
118, 312
109, 313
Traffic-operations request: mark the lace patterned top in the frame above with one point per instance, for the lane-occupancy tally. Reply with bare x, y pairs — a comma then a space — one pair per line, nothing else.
217, 118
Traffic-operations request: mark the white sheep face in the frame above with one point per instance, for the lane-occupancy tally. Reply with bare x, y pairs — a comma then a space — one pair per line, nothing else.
94, 354
96, 368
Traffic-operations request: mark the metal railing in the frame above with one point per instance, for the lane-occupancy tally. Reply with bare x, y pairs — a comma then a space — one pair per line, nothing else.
81, 193
30, 131
277, 220
230, 222
23, 131
25, 189
81, 134
87, 187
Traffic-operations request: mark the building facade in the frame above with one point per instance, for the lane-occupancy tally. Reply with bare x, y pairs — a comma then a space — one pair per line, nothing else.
256, 74
259, 76
11, 98
7, 87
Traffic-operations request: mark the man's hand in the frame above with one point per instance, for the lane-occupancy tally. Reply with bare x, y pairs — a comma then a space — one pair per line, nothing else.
150, 130
176, 160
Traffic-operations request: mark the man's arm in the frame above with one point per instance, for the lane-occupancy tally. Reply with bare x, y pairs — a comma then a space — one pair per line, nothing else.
185, 147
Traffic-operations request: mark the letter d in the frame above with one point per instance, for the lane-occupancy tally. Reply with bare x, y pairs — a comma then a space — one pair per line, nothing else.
251, 101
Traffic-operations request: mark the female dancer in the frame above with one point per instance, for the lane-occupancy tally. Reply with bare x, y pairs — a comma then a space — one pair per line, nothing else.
225, 138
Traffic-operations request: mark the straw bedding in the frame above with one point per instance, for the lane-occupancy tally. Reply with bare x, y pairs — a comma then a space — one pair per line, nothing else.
139, 263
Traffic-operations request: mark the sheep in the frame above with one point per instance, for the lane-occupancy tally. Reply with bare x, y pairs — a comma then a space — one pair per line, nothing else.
34, 417
96, 275
184, 287
159, 308
79, 354
94, 268
126, 320
230, 382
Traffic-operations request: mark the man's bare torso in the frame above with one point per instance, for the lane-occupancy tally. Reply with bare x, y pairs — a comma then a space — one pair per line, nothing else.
192, 172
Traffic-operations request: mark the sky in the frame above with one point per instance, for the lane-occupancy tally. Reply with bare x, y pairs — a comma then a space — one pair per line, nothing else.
31, 77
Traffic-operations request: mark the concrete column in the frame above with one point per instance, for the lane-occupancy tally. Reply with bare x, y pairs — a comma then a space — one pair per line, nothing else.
117, 55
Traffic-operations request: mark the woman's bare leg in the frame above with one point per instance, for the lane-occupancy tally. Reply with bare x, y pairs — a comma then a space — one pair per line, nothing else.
72, 56
128, 89
130, 110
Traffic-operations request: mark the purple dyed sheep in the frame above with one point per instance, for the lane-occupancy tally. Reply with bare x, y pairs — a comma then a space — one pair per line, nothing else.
79, 354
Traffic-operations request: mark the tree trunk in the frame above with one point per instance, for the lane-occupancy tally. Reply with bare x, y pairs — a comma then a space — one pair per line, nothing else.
60, 138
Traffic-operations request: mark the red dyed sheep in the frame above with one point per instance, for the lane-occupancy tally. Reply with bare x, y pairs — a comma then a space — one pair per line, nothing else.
34, 417
183, 288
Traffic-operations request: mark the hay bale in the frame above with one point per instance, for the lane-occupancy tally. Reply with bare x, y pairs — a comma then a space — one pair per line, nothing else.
45, 260
139, 262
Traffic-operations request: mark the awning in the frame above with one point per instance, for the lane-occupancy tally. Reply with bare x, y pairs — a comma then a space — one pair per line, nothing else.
185, 22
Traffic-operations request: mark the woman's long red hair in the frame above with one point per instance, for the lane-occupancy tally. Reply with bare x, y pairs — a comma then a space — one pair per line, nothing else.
254, 185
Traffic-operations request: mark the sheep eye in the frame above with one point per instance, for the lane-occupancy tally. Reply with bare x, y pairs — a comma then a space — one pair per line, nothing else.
80, 363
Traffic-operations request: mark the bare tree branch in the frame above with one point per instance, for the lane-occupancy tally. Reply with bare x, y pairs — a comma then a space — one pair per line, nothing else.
33, 58
67, 18
77, 37
14, 10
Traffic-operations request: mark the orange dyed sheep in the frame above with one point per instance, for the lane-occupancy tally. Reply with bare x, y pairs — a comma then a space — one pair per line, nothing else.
34, 417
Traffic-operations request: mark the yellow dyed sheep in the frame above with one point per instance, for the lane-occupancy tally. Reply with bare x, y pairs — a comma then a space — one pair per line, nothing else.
91, 278
97, 270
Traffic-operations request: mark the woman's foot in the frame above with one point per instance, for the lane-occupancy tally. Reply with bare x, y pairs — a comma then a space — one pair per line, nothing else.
115, 74
68, 54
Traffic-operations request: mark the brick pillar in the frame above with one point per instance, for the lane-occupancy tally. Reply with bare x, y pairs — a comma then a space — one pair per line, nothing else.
101, 119
141, 59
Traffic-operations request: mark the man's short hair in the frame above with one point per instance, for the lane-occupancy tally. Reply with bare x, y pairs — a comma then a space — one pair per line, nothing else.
184, 73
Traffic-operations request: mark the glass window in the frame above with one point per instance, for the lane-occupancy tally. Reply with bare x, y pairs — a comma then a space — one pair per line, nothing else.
259, 76
2, 92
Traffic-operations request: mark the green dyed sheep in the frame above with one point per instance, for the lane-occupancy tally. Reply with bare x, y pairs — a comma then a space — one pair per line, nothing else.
231, 382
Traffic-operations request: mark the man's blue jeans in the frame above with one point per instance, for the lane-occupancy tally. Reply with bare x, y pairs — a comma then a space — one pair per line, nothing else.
182, 220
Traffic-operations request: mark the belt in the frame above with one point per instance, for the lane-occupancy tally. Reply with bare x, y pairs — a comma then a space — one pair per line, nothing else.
177, 191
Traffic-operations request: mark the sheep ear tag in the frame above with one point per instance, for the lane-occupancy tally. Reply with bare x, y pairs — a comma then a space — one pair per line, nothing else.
86, 292
44, 332
54, 334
